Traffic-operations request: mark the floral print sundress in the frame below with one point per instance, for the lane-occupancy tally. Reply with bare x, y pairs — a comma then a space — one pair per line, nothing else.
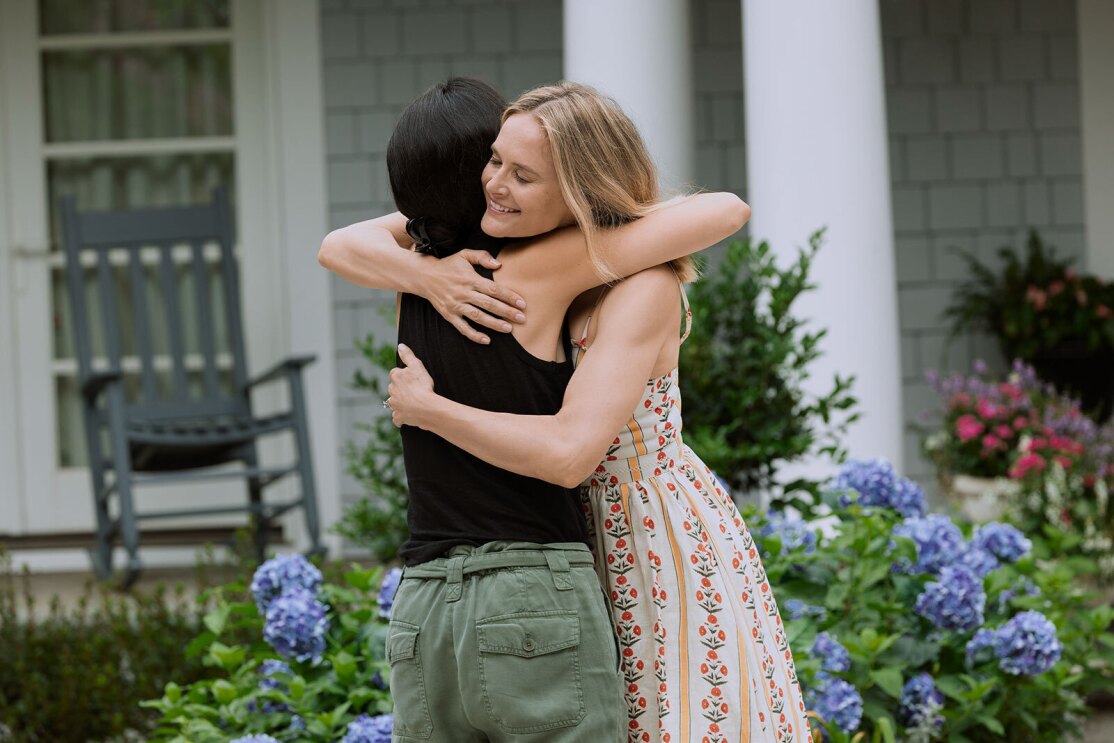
704, 653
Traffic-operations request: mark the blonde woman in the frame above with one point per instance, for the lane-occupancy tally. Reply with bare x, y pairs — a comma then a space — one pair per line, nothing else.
704, 653
499, 629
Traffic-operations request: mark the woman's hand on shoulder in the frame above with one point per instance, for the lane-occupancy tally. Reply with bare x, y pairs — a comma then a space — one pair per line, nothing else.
459, 294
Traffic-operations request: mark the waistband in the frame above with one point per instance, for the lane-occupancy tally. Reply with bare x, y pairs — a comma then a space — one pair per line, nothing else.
466, 559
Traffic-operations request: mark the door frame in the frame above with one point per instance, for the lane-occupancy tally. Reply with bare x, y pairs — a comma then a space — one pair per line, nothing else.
280, 166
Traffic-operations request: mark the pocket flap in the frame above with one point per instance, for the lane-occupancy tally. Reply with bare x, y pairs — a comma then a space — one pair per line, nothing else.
527, 635
402, 644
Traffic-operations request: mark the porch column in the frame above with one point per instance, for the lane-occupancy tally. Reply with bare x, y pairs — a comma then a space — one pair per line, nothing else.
638, 52
817, 157
1096, 87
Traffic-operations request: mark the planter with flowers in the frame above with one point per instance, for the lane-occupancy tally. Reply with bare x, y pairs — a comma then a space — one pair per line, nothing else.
903, 627
1016, 449
300, 658
1059, 321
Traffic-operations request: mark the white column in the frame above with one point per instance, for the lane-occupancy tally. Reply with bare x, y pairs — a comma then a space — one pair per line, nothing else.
638, 52
1096, 84
817, 156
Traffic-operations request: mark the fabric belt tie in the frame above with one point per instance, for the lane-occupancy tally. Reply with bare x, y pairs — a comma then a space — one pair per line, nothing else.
453, 569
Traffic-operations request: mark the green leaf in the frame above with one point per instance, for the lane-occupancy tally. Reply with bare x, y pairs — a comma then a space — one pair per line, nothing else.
885, 726
228, 658
223, 691
297, 687
345, 666
217, 618
173, 692
889, 680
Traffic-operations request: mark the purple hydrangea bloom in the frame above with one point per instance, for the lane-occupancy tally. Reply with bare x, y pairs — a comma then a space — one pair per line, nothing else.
939, 541
837, 701
1024, 587
297, 724
794, 532
983, 640
833, 656
271, 668
296, 625
387, 590
1027, 644
256, 739
1004, 541
955, 600
978, 561
281, 573
367, 729
878, 484
921, 703
797, 609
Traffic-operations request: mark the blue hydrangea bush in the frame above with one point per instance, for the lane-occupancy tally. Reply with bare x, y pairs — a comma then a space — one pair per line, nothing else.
909, 626
298, 658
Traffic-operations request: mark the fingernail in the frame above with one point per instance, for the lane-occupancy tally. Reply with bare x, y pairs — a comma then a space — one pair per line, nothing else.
485, 339
520, 317
520, 304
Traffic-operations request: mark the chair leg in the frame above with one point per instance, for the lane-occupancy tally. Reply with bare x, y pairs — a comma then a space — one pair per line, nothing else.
121, 463
305, 465
259, 523
101, 554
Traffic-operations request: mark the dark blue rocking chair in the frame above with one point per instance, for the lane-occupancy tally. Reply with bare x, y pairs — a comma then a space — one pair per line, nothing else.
170, 422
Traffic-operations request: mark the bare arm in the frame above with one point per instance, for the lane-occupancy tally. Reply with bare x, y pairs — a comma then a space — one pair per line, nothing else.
368, 254
563, 448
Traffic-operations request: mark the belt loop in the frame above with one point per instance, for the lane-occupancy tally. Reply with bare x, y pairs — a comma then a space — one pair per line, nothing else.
454, 579
559, 569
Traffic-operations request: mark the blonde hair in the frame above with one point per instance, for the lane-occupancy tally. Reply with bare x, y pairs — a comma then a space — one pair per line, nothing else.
605, 173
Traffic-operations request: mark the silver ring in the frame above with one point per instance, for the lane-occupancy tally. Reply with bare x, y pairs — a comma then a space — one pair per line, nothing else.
387, 403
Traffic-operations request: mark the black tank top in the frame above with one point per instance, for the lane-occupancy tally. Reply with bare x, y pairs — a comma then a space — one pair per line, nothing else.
456, 498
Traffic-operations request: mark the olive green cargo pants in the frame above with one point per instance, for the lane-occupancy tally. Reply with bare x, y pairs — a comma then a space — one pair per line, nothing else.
509, 641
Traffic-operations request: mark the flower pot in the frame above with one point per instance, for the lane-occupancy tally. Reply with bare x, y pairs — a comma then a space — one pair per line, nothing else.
1088, 375
980, 499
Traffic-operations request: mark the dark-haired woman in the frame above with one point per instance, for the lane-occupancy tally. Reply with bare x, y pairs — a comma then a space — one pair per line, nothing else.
500, 630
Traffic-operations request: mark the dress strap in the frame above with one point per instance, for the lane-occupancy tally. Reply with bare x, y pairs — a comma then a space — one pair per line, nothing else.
687, 310
580, 345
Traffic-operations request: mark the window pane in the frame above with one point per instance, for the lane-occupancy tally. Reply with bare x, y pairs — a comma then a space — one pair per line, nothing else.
137, 93
105, 16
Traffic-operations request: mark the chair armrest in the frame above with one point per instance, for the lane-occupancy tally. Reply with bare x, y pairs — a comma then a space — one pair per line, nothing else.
281, 369
95, 383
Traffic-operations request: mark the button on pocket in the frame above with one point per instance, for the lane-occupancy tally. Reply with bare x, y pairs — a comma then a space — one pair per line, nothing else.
530, 670
412, 717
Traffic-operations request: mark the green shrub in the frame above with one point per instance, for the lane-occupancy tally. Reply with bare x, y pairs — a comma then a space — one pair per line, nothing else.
378, 520
79, 674
743, 369
256, 689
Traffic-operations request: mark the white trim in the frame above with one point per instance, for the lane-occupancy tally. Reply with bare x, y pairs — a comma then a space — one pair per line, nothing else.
11, 500
1096, 87
132, 39
72, 560
298, 142
133, 147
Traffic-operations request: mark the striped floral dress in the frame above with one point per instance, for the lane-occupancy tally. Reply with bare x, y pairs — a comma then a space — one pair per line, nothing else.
704, 653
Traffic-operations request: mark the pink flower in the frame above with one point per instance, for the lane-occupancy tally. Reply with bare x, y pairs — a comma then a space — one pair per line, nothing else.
959, 400
1103, 312
1011, 391
1020, 422
1071, 275
1027, 463
968, 427
1081, 296
990, 441
987, 409
1003, 432
1037, 443
1063, 462
1036, 297
1055, 288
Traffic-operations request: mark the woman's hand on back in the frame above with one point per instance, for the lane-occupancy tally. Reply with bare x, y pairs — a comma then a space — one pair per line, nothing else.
410, 392
459, 294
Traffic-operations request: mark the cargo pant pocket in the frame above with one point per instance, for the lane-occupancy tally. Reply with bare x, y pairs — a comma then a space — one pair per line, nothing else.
530, 670
411, 714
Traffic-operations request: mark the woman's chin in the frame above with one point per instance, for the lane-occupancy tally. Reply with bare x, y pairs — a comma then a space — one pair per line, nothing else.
494, 227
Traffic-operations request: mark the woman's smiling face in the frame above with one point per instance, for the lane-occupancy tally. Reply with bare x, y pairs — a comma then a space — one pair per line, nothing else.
523, 195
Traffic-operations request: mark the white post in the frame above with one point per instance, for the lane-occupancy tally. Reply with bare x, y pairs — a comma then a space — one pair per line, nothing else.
638, 52
1096, 84
817, 157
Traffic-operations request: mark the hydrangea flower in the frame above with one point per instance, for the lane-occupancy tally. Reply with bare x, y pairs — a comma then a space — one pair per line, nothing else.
921, 703
280, 574
939, 541
1027, 644
387, 590
837, 701
271, 668
297, 724
878, 484
983, 640
797, 609
1024, 587
978, 561
1004, 541
296, 625
367, 729
256, 739
794, 532
956, 600
833, 656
